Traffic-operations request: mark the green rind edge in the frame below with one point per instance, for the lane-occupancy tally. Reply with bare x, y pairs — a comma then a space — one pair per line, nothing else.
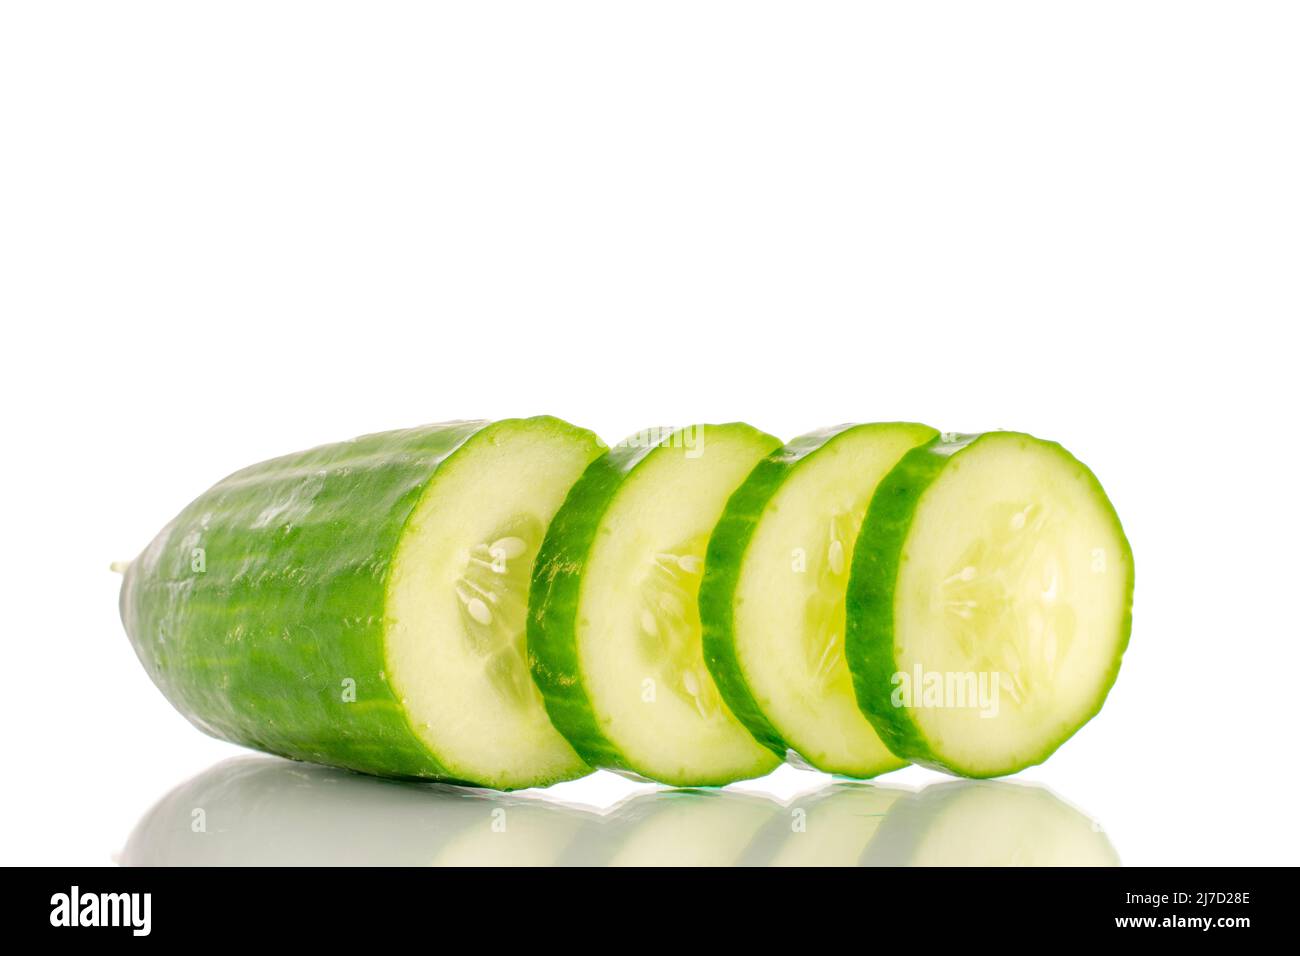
869, 632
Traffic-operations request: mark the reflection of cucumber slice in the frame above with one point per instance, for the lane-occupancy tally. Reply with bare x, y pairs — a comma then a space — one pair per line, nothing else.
259, 811
988, 823
363, 604
679, 828
772, 601
613, 624
989, 603
834, 827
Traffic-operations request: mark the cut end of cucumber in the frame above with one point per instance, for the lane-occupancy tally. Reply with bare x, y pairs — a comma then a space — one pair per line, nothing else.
1009, 585
457, 604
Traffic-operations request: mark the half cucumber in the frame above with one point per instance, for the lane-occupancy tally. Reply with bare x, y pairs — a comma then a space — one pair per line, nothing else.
363, 604
772, 601
988, 604
613, 626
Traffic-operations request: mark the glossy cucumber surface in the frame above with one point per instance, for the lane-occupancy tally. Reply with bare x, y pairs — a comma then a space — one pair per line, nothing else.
284, 608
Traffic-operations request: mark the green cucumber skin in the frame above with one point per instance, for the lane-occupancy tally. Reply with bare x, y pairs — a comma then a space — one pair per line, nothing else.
869, 633
553, 601
722, 565
255, 648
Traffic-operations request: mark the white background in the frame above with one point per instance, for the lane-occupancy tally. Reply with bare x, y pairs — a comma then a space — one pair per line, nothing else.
233, 230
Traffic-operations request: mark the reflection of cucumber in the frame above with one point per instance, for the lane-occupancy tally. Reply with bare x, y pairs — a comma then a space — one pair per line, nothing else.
988, 823
772, 601
363, 604
259, 811
613, 624
678, 828
989, 603
833, 827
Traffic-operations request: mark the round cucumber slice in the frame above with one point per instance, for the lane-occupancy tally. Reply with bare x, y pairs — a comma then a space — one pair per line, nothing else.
988, 823
363, 604
772, 601
989, 603
263, 811
613, 625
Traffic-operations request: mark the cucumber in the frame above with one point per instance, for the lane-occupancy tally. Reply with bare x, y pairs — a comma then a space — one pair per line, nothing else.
988, 823
772, 601
613, 626
363, 604
989, 603
263, 811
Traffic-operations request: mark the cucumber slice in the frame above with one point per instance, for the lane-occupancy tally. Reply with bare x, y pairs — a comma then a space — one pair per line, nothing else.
772, 601
263, 811
988, 823
989, 603
363, 604
613, 624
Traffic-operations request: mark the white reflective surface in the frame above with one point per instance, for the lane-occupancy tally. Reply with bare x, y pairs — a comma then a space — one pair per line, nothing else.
266, 811
231, 232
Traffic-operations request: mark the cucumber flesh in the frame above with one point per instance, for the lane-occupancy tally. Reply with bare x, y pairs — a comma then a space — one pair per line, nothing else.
772, 602
363, 604
989, 603
614, 631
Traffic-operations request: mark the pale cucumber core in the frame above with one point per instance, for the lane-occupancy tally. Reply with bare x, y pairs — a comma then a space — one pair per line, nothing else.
1014, 568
